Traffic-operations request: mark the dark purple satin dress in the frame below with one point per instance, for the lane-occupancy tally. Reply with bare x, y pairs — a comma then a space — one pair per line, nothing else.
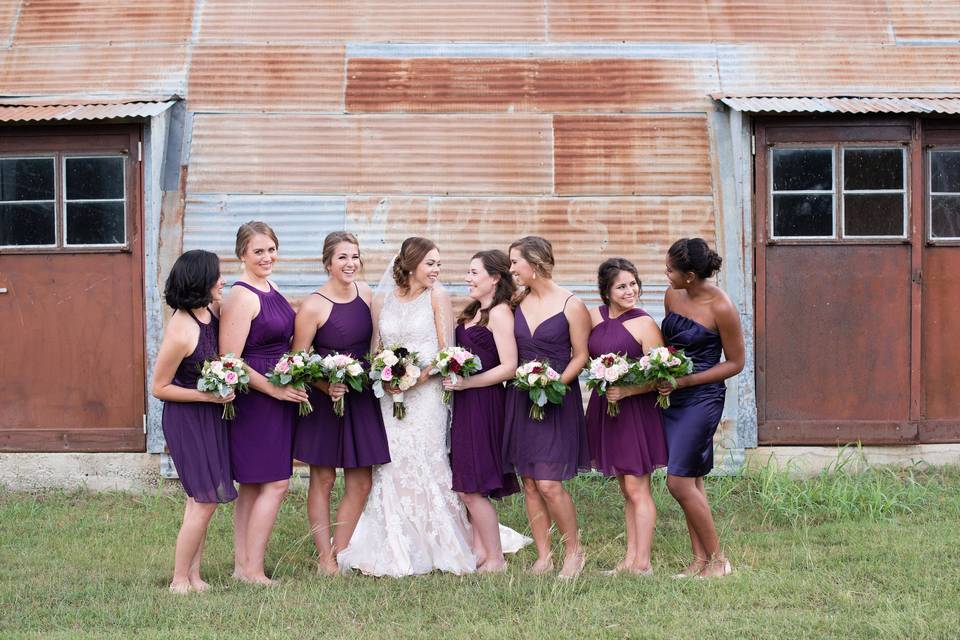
358, 439
476, 437
631, 443
556, 448
261, 436
694, 413
197, 437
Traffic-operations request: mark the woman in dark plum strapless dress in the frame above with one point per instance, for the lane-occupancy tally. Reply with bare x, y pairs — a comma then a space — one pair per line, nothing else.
703, 322
630, 445
257, 322
196, 434
549, 323
336, 319
485, 328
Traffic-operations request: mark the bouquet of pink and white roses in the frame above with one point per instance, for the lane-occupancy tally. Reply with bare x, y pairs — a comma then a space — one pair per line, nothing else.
611, 370
298, 369
664, 364
398, 368
343, 369
542, 385
224, 376
455, 361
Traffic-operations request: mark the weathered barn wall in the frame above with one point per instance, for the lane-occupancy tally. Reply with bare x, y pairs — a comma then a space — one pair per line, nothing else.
473, 122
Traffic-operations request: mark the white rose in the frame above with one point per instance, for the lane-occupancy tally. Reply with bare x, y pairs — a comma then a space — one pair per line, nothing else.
354, 369
389, 358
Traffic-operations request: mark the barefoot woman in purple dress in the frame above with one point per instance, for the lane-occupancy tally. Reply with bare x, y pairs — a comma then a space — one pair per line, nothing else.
703, 322
258, 323
630, 445
195, 433
336, 319
549, 323
485, 328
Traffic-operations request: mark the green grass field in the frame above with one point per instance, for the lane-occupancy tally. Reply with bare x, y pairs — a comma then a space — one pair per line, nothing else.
875, 555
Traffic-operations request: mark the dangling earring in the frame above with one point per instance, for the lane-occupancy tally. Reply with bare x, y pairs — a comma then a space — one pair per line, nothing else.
534, 275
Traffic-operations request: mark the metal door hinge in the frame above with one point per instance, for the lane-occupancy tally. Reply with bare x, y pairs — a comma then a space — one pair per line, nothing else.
917, 276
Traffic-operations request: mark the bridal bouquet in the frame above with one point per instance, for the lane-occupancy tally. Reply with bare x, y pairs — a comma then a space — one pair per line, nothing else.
224, 376
344, 369
664, 364
452, 362
542, 385
298, 369
610, 370
396, 367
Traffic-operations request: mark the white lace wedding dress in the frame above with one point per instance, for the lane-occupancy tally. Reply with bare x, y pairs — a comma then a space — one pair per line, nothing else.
413, 523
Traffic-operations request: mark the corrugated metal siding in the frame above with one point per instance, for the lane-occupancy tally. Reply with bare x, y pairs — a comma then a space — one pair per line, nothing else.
373, 20
38, 113
628, 155
102, 21
839, 69
471, 85
266, 78
413, 154
8, 12
210, 222
127, 71
925, 20
718, 21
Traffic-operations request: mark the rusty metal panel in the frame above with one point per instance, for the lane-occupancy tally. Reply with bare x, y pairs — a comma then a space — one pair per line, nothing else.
941, 326
492, 84
128, 71
8, 14
925, 21
837, 333
583, 231
266, 78
836, 104
41, 113
414, 154
834, 68
632, 155
210, 222
373, 20
718, 20
103, 21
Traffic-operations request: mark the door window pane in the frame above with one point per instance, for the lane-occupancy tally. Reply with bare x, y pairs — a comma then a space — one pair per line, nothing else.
802, 215
945, 194
802, 169
872, 169
93, 201
27, 224
945, 216
27, 202
95, 223
945, 171
873, 215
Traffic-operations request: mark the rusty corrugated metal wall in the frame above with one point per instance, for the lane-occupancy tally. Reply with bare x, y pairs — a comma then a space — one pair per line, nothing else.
472, 122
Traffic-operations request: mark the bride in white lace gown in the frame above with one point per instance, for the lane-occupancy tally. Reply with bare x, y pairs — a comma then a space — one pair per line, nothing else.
413, 523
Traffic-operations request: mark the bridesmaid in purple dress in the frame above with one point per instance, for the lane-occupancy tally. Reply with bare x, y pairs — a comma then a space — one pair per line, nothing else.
336, 318
551, 323
485, 328
631, 445
258, 323
703, 322
195, 433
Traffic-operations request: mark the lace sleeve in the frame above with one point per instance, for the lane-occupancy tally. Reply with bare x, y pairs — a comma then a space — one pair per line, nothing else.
443, 316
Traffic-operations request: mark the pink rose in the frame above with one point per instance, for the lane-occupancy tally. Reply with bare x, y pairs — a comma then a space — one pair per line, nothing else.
387, 374
282, 366
231, 377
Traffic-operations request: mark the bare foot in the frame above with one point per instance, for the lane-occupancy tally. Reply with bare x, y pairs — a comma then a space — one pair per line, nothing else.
692, 569
716, 568
180, 588
541, 566
261, 580
481, 559
493, 566
238, 575
328, 567
199, 584
622, 566
573, 564
640, 570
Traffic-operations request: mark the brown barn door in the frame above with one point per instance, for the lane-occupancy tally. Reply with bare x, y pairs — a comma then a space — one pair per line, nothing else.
71, 275
940, 327
834, 288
